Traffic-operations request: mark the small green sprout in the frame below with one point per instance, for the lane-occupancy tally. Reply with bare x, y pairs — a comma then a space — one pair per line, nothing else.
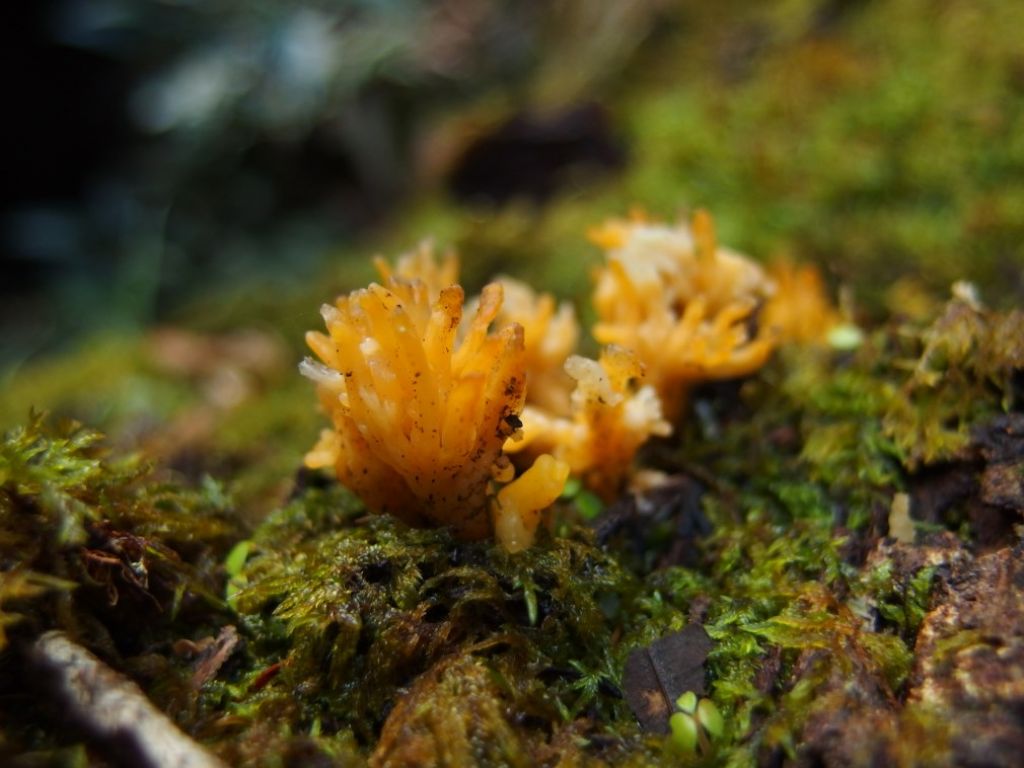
695, 724
588, 504
234, 564
846, 337
685, 732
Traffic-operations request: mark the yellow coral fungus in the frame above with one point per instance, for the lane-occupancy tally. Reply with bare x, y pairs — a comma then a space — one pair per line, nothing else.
682, 303
799, 311
550, 331
550, 337
611, 419
425, 401
421, 265
420, 416
518, 507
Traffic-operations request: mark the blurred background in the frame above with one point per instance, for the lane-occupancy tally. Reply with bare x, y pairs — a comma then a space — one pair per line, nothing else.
160, 148
187, 180
157, 149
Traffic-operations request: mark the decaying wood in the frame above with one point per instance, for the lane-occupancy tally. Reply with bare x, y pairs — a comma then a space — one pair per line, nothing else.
113, 710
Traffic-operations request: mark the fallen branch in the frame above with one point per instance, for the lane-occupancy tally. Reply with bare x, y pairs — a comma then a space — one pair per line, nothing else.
114, 710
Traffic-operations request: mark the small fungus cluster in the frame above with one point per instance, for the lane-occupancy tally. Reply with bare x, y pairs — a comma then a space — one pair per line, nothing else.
427, 398
682, 303
421, 415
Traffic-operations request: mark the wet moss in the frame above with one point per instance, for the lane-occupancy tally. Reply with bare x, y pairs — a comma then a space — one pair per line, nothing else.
363, 608
65, 506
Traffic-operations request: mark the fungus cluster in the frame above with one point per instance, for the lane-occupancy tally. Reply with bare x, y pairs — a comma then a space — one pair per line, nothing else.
420, 415
611, 417
800, 310
436, 403
682, 303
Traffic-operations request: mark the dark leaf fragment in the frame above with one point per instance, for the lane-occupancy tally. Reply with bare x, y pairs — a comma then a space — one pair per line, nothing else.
213, 654
658, 674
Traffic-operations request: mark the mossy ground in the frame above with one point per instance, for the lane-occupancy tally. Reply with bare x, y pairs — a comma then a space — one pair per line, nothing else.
843, 139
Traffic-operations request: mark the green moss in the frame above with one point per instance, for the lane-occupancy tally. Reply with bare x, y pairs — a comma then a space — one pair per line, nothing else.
360, 610
901, 603
803, 466
107, 383
342, 611
70, 515
964, 374
859, 124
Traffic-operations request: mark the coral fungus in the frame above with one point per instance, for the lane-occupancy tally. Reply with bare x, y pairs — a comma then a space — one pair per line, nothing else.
421, 265
611, 419
550, 336
425, 401
550, 330
683, 304
420, 416
799, 310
